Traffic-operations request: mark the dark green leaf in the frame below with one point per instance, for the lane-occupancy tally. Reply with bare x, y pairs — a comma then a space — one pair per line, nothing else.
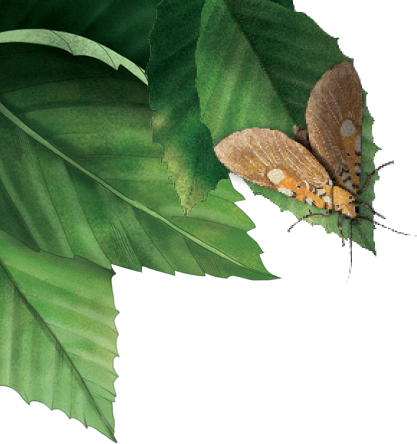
256, 65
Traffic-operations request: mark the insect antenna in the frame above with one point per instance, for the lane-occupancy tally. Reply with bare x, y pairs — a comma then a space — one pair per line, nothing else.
369, 208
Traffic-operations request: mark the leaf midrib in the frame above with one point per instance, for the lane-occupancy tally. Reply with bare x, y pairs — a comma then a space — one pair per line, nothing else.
34, 135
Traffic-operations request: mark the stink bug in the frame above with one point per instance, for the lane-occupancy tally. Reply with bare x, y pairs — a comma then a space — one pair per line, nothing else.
322, 166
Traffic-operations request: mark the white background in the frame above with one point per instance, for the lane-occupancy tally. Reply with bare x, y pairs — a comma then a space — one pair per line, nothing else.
351, 379
154, 277
414, 86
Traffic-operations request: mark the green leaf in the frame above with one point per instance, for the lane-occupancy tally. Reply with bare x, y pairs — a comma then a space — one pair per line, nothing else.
257, 62
58, 337
121, 25
177, 124
81, 177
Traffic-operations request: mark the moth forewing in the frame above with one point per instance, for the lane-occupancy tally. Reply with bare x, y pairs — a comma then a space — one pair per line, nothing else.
242, 155
271, 159
334, 121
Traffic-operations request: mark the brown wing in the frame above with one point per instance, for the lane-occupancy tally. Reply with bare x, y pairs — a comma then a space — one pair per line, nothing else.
334, 120
271, 159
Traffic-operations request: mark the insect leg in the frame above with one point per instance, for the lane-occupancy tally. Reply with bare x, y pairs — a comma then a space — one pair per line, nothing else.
366, 218
369, 176
388, 228
350, 244
340, 229
369, 208
394, 230
305, 217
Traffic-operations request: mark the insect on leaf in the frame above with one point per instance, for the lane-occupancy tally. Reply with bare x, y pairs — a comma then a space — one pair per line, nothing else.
257, 63
322, 167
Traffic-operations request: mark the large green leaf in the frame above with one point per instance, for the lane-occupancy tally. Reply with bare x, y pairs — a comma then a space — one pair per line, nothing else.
257, 63
80, 174
177, 124
57, 332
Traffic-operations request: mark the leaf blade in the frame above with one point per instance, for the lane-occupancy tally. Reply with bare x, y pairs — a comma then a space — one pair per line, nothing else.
89, 152
177, 124
52, 327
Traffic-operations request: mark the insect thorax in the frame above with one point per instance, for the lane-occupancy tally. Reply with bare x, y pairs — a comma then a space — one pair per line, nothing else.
344, 202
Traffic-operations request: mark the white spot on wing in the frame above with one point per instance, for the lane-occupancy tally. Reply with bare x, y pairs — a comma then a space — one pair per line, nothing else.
345, 175
285, 191
349, 185
358, 145
348, 128
328, 200
275, 176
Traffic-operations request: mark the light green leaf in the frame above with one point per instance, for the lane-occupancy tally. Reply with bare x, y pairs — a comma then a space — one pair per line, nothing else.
121, 25
57, 332
81, 176
257, 62
74, 44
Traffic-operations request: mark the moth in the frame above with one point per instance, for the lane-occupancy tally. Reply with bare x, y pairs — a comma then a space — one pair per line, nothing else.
322, 165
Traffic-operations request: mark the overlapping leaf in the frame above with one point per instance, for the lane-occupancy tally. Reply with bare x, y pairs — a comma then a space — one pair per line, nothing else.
57, 332
177, 124
81, 176
257, 62
120, 25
